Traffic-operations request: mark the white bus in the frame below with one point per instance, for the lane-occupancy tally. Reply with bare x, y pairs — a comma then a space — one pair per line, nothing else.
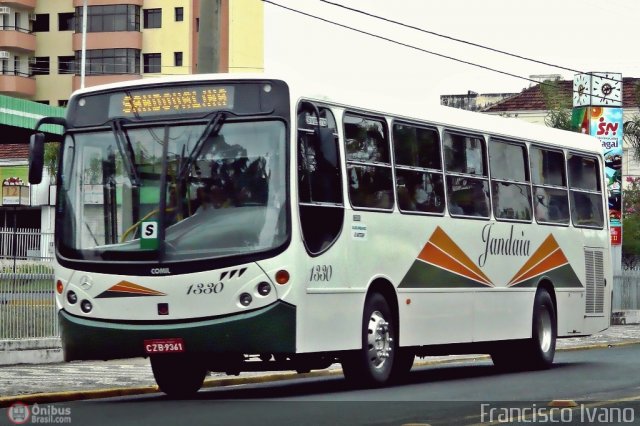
235, 223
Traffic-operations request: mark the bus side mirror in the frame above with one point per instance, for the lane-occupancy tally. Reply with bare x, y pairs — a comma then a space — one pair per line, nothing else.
36, 158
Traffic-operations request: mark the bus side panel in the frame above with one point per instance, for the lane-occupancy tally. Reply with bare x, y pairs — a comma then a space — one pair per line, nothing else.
329, 322
570, 312
503, 314
434, 317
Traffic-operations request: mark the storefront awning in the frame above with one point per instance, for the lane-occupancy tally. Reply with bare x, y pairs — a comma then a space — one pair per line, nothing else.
23, 113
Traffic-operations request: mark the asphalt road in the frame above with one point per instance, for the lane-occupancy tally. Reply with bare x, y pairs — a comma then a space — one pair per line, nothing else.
605, 383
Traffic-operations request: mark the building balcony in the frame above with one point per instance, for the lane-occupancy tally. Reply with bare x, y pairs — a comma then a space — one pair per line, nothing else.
17, 39
19, 86
24, 4
111, 40
79, 3
95, 80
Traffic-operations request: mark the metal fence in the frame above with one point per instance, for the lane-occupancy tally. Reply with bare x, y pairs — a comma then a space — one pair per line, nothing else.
27, 304
626, 290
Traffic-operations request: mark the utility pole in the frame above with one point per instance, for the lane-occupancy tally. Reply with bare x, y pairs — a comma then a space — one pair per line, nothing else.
83, 57
209, 36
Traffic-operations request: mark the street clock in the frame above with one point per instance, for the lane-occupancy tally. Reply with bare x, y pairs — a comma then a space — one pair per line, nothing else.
581, 90
606, 89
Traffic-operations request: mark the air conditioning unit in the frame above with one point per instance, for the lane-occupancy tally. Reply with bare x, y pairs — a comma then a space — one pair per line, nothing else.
4, 54
32, 16
5, 10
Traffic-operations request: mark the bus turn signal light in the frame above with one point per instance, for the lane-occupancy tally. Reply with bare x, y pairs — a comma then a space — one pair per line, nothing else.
59, 287
282, 277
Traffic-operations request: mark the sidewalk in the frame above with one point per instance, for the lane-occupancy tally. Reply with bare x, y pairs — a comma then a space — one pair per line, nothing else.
134, 376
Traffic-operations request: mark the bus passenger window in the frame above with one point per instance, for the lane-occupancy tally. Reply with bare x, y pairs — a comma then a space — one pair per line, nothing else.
368, 163
510, 185
467, 180
585, 191
550, 197
419, 181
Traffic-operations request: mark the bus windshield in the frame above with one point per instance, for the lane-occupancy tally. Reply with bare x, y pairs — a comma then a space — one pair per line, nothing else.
173, 191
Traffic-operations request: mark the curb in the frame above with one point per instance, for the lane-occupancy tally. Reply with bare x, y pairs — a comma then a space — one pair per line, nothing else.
80, 395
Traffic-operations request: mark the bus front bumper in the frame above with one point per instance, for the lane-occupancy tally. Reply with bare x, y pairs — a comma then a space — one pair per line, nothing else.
267, 330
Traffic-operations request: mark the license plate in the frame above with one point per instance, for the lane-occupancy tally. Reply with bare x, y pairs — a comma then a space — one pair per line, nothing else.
157, 346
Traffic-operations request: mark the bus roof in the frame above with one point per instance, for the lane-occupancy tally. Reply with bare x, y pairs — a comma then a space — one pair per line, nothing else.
438, 115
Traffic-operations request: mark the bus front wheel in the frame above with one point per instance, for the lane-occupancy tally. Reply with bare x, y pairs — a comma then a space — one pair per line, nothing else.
178, 375
372, 365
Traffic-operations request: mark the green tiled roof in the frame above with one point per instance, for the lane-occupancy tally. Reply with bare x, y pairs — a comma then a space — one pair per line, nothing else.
23, 113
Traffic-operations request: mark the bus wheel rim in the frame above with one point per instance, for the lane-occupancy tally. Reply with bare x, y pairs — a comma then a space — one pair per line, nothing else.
544, 329
379, 340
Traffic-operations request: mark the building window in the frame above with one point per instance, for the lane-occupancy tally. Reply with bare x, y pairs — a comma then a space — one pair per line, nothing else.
40, 25
177, 59
112, 18
40, 65
152, 18
110, 61
43, 102
16, 65
66, 21
63, 102
152, 62
179, 14
66, 65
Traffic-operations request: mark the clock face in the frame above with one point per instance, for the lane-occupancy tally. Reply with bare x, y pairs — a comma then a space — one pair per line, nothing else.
607, 89
581, 90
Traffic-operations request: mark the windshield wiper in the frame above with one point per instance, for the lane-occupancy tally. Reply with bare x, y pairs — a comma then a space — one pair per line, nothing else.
211, 130
126, 150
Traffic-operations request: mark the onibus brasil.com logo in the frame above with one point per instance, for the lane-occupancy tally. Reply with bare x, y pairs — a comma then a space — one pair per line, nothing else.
20, 413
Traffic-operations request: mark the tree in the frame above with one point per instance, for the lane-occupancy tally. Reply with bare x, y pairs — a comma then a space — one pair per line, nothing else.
631, 194
51, 153
631, 222
558, 105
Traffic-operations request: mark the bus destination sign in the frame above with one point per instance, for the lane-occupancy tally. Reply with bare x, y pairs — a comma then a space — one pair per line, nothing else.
171, 101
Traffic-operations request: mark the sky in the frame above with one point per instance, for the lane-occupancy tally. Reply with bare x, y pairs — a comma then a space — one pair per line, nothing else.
573, 35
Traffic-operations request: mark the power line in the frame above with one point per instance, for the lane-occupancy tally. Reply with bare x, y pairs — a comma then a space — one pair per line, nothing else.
441, 55
412, 27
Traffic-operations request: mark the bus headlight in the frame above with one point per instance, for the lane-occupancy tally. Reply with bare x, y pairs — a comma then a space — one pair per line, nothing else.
245, 299
72, 297
264, 288
86, 306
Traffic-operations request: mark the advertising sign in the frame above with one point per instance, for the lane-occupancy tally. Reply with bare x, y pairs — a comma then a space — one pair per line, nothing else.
606, 125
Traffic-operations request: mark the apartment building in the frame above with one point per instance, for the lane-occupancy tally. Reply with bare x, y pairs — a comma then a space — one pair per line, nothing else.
41, 42
40, 63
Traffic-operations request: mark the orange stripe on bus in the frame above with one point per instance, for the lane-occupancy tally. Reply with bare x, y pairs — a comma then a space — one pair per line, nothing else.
128, 287
433, 255
441, 240
554, 260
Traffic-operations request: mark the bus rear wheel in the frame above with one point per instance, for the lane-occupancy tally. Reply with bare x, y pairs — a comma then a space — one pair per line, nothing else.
542, 345
538, 351
178, 375
372, 365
